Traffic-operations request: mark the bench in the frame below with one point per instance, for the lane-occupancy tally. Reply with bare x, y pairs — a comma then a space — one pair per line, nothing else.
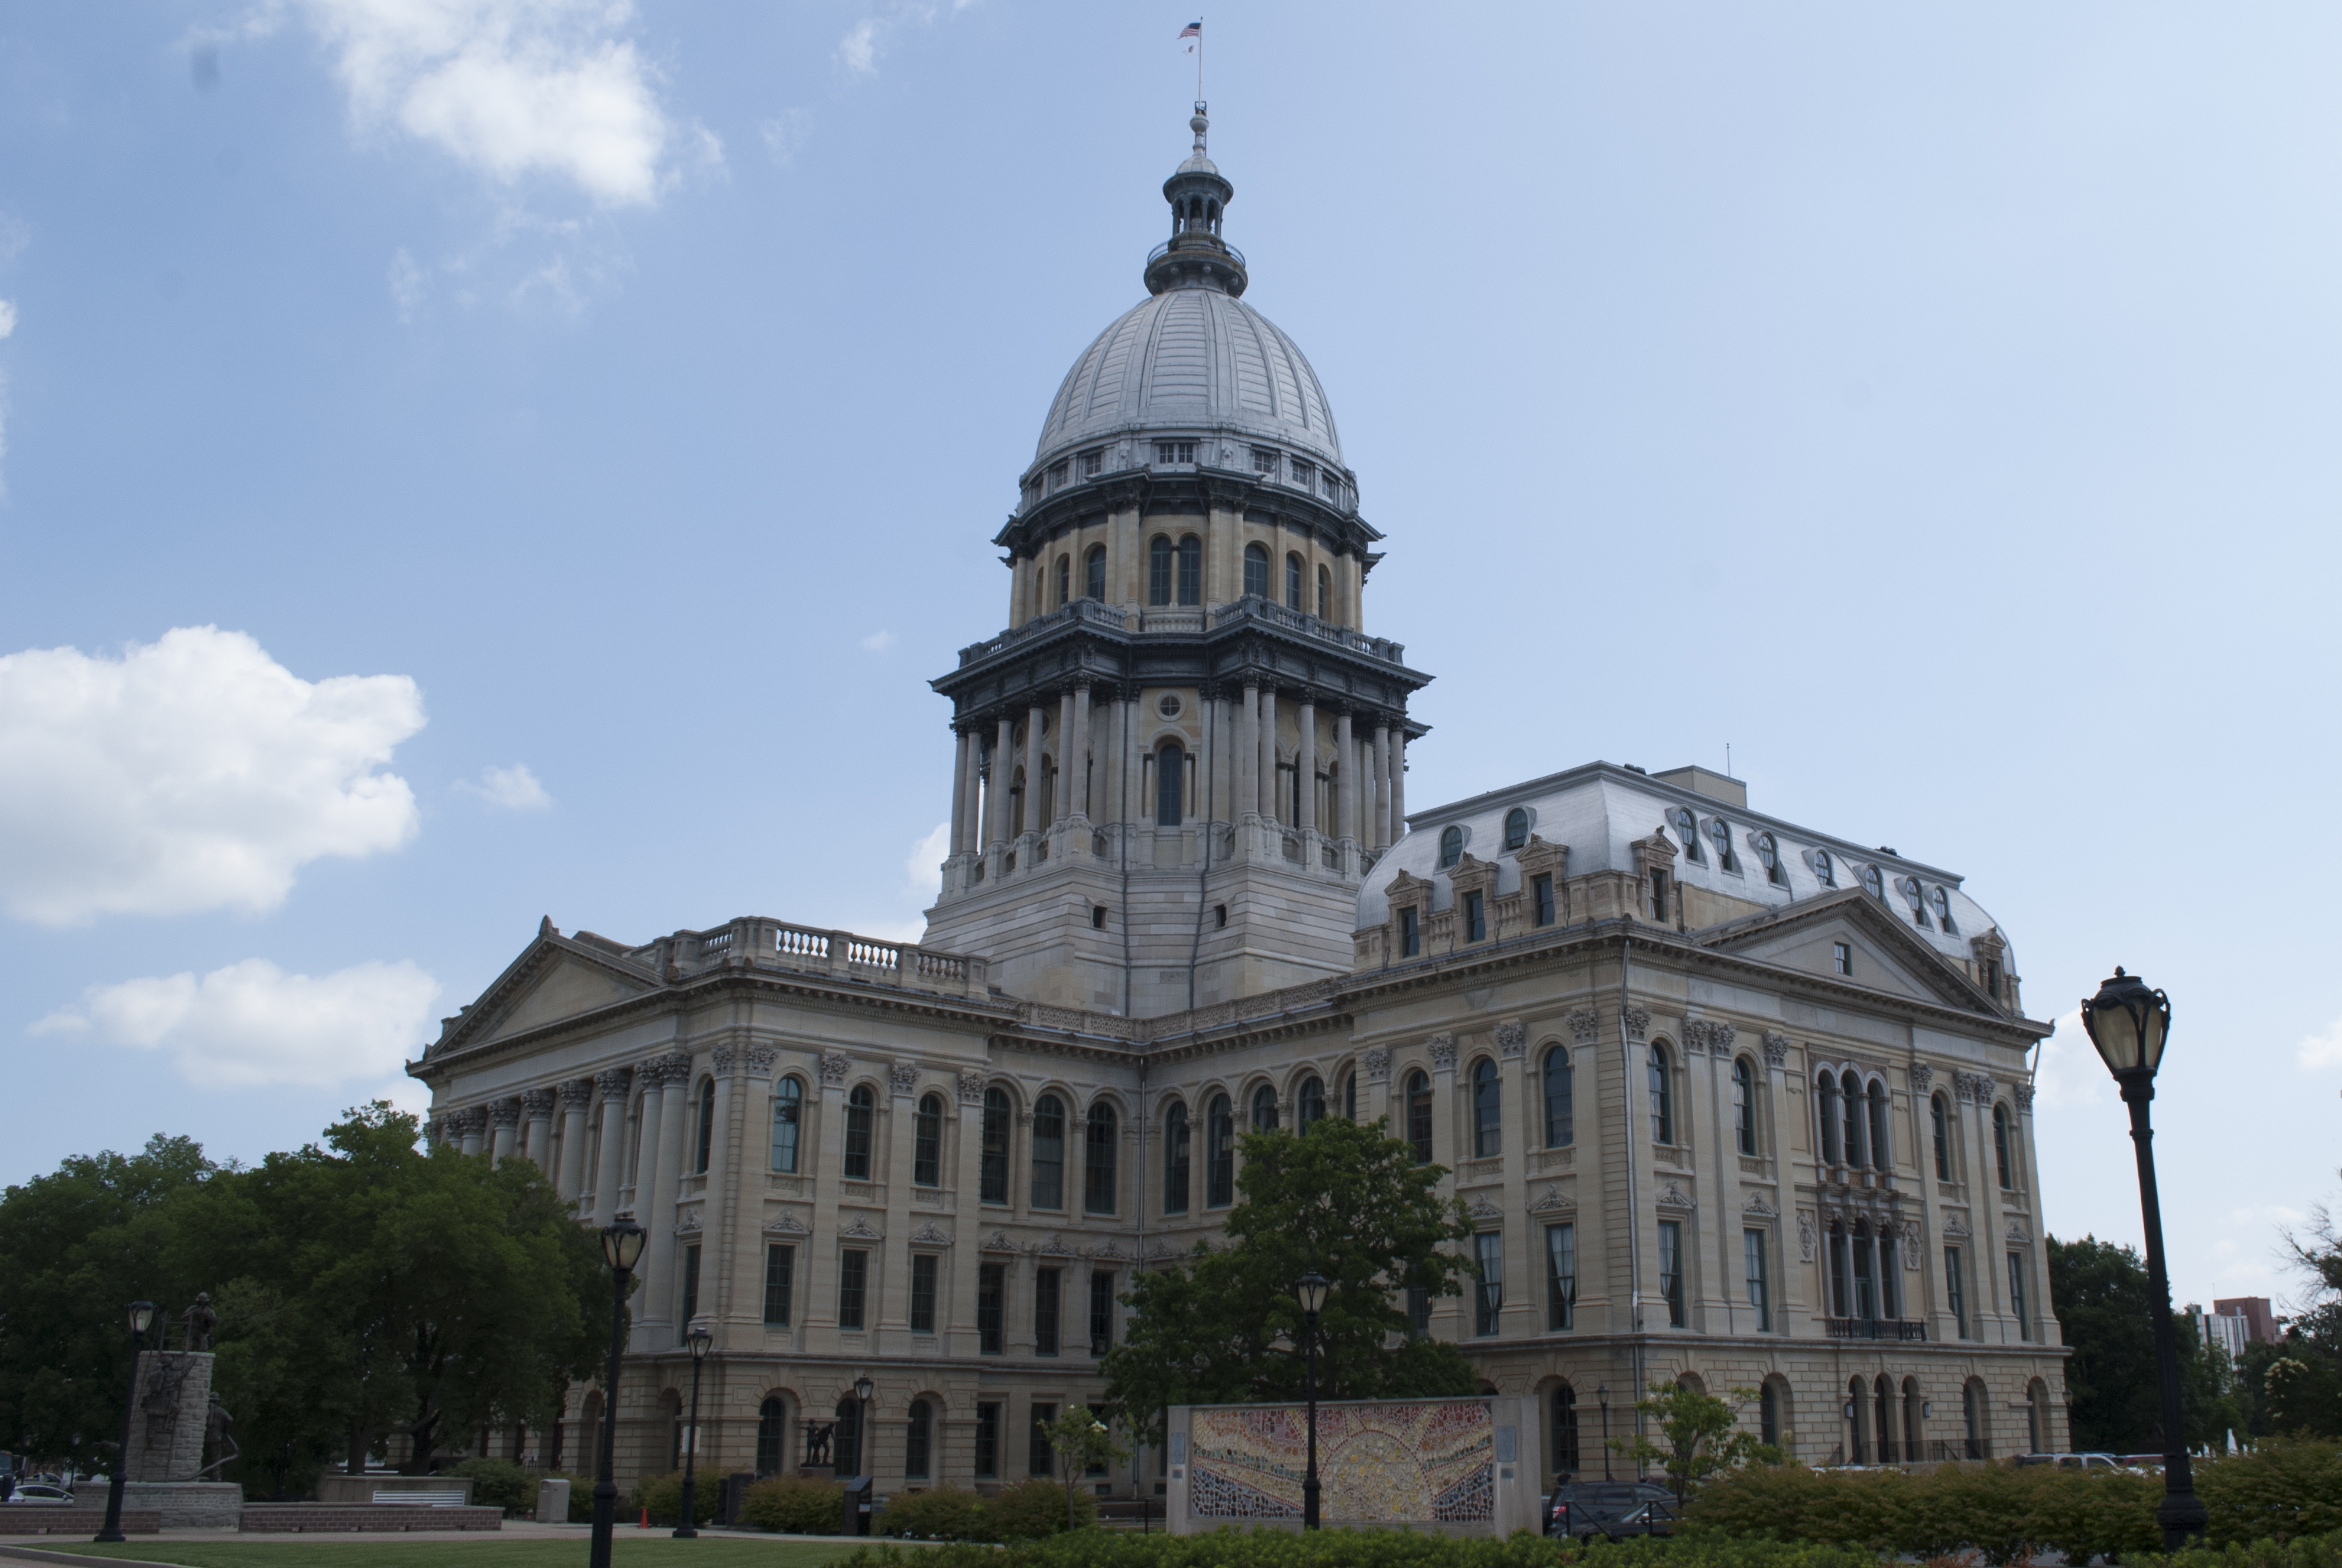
413, 1499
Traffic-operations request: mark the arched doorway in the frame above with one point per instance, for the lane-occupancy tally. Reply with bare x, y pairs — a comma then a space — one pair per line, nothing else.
846, 1446
772, 1435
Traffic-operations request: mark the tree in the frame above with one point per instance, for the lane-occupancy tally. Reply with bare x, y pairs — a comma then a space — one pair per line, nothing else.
2106, 1307
1702, 1431
1226, 1324
1080, 1439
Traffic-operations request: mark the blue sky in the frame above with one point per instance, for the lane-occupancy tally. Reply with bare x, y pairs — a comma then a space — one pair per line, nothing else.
469, 460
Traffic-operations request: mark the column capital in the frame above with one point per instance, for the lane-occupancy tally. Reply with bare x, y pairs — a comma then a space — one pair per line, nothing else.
615, 1082
504, 1113
576, 1092
536, 1103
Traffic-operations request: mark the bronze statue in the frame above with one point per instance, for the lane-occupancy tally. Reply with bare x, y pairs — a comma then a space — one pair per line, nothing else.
201, 1321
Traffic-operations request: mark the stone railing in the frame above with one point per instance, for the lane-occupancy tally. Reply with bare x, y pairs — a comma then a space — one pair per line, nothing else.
1096, 612
760, 944
1873, 1328
1267, 1007
1267, 611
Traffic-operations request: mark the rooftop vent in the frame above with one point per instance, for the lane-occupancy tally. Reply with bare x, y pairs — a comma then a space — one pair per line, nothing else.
1732, 792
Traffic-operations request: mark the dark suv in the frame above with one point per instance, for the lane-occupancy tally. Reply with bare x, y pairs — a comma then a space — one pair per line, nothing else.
1612, 1509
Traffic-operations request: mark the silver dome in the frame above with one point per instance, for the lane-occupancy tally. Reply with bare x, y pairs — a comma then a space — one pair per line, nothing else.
1193, 362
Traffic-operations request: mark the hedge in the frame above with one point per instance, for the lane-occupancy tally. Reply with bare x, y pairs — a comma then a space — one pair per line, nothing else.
1234, 1548
663, 1496
945, 1513
797, 1505
2301, 1552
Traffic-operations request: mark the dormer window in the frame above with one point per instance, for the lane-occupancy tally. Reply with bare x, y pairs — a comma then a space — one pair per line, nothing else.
1174, 451
1516, 828
1941, 900
1908, 887
1264, 461
1720, 831
1874, 884
1769, 856
1093, 463
1991, 967
1686, 828
1451, 848
1824, 871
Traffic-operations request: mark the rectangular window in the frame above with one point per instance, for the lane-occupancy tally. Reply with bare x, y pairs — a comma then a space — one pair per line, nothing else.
2016, 1295
1476, 917
1659, 896
1040, 1459
1541, 889
1264, 460
1418, 1311
988, 1440
853, 1277
780, 1283
927, 1147
1752, 1243
1488, 1292
1045, 1301
923, 1268
1842, 957
1101, 1311
690, 1283
1955, 1292
1093, 463
1560, 1277
991, 1290
1410, 932
1174, 451
1671, 1284
1305, 474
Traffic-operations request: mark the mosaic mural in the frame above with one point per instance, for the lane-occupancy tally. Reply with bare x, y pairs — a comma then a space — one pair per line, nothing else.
1401, 1462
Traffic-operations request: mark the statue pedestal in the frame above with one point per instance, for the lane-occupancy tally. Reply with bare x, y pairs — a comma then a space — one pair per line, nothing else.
189, 1505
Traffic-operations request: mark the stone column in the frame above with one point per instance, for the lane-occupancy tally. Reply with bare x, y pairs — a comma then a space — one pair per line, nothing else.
959, 1320
1133, 776
719, 1203
745, 1306
996, 791
959, 792
971, 789
1061, 798
469, 1124
536, 1109
610, 1165
575, 1096
1247, 769
504, 1116
1305, 768
1398, 780
1345, 783
656, 1176
1382, 786
1033, 723
1075, 747
889, 1314
1269, 755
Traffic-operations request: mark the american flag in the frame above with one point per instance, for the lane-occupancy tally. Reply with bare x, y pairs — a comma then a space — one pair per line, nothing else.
1192, 30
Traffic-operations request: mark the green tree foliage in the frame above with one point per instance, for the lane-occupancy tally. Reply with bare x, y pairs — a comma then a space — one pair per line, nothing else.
1702, 1435
1080, 1439
1346, 1200
2107, 1310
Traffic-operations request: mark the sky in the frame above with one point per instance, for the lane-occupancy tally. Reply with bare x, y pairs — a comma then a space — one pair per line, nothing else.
467, 461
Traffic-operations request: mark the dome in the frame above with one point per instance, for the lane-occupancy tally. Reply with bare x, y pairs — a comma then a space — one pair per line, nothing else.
1196, 362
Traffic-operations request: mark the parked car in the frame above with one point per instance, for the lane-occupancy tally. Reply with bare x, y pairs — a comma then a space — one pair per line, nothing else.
41, 1492
2101, 1463
1610, 1509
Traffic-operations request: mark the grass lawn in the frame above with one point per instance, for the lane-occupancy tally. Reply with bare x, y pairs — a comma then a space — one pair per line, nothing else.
628, 1551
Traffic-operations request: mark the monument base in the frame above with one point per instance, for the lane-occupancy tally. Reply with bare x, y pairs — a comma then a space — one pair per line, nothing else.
188, 1504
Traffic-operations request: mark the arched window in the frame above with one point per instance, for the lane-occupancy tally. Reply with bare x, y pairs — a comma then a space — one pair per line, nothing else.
1349, 1096
1912, 1448
1048, 1152
861, 1108
1418, 1115
1882, 1151
2036, 1414
789, 1108
1191, 570
1769, 856
772, 1434
1686, 828
1856, 1146
928, 1142
1841, 1269
1559, 1132
992, 1173
1264, 1109
1170, 785
705, 1141
2000, 1154
1094, 573
1255, 571
1098, 1152
1940, 1113
1488, 1111
1177, 1157
1824, 871
1158, 569
845, 1437
1826, 1111
1516, 828
1719, 833
1744, 1104
1562, 1458
1874, 884
1662, 1098
1310, 1105
1882, 1421
1940, 900
1772, 1407
1908, 886
1219, 1153
1325, 594
919, 1440
1293, 583
1065, 580
1451, 846
1973, 1415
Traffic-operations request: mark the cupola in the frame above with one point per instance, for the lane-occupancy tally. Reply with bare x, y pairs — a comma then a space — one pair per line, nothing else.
1196, 255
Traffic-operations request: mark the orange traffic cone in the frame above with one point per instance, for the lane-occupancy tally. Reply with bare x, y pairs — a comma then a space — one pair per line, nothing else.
646, 1524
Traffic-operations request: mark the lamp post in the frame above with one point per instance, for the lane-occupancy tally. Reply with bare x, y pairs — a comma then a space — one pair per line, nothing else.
1313, 1302
2128, 1023
140, 1315
863, 1389
622, 1247
1602, 1393
698, 1338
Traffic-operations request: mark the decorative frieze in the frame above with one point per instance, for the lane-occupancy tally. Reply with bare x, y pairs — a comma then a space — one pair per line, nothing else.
1000, 1241
1553, 1200
932, 1234
1911, 1247
862, 1230
1955, 1226
1483, 1209
2016, 1235
785, 1224
1673, 1197
1757, 1206
1808, 1236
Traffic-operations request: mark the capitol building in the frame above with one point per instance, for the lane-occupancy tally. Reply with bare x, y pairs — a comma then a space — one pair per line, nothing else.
1729, 1098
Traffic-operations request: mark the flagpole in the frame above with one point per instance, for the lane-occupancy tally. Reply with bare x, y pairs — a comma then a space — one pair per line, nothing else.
1200, 58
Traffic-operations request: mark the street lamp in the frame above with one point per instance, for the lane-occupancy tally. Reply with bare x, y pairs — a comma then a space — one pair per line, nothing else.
1602, 1393
2128, 1023
863, 1389
142, 1314
698, 1338
622, 1248
1313, 1302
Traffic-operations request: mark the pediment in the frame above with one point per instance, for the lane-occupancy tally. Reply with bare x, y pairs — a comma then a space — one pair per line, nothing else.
564, 989
553, 978
1887, 958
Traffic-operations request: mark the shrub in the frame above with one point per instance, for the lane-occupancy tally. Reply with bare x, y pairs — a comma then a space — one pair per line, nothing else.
2282, 1489
2301, 1552
1037, 1507
1234, 1548
795, 1505
662, 1495
499, 1484
945, 1513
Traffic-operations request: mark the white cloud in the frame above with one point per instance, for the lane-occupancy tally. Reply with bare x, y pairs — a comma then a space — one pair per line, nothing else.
2322, 1050
925, 866
511, 87
2070, 1071
514, 788
786, 133
7, 316
878, 642
407, 284
190, 773
859, 50
252, 1024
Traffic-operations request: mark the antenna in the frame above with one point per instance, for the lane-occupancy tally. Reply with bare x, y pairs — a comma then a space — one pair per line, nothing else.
1727, 759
